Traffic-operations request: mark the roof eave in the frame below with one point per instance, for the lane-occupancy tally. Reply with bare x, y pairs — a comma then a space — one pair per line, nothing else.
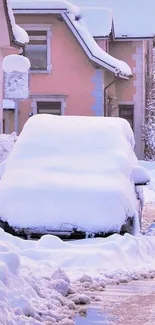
95, 59
124, 38
13, 41
125, 76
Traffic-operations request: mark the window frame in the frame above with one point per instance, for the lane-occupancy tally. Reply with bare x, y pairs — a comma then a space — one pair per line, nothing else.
48, 98
128, 107
48, 29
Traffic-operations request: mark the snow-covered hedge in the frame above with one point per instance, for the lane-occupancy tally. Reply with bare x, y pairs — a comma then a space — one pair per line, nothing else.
149, 126
7, 142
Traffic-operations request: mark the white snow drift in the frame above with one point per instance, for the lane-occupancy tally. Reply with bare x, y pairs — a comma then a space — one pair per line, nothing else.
67, 172
41, 281
149, 190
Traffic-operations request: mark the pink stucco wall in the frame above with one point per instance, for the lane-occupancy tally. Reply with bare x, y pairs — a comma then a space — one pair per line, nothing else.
72, 71
4, 43
103, 43
4, 33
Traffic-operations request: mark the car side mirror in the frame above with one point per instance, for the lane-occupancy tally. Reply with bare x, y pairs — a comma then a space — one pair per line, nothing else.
140, 176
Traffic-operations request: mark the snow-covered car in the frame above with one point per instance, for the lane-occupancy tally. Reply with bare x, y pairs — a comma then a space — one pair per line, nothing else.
73, 177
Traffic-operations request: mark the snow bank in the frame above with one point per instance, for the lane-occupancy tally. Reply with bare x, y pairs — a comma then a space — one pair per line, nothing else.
149, 190
41, 282
67, 172
31, 292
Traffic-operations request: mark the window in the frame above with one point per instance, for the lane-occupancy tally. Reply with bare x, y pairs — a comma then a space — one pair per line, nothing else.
127, 112
49, 108
36, 50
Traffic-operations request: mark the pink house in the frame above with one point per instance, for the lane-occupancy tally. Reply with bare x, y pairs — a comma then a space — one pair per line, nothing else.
77, 70
11, 41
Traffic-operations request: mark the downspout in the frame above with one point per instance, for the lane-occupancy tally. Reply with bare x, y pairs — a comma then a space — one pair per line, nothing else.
105, 89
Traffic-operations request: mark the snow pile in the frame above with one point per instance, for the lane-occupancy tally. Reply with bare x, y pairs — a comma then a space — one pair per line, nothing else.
19, 33
149, 190
41, 282
14, 62
67, 172
7, 142
32, 290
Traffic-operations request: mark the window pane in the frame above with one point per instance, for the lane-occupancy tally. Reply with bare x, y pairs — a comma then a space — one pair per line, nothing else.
127, 112
49, 108
36, 50
37, 55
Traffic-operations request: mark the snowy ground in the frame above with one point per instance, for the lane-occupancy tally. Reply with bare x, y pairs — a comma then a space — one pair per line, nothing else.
45, 281
149, 195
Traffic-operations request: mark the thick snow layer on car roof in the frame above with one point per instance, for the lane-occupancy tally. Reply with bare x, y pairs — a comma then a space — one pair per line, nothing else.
67, 172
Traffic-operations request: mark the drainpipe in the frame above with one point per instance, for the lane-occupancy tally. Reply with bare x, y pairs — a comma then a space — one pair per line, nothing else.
105, 89
16, 122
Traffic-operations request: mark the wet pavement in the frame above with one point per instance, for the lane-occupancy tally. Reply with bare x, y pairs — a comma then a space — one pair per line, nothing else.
115, 300
93, 317
132, 288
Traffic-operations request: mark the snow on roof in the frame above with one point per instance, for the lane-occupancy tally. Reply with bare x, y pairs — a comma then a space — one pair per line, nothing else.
8, 104
131, 18
104, 16
97, 54
81, 32
19, 33
79, 178
45, 4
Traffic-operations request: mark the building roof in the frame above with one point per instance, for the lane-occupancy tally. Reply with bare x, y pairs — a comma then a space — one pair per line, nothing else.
103, 25
132, 19
18, 35
77, 25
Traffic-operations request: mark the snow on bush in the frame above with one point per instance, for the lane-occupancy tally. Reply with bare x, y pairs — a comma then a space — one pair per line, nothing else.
7, 142
149, 127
